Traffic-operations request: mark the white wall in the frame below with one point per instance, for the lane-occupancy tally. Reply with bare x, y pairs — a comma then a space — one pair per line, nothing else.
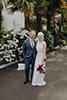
13, 21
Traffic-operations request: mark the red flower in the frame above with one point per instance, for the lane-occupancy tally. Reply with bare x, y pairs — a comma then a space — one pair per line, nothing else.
41, 69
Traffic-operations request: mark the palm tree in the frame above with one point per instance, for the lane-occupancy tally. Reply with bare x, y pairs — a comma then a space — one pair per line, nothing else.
37, 7
40, 7
30, 8
24, 6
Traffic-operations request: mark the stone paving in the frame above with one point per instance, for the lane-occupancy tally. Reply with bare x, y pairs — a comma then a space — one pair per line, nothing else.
12, 87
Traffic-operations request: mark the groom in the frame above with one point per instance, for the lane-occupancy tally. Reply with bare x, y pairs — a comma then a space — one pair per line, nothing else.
29, 54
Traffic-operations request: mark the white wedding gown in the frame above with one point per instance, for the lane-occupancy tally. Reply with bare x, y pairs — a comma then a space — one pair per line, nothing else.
38, 79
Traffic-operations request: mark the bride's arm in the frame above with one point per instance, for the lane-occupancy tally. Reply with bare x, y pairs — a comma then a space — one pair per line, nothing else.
44, 51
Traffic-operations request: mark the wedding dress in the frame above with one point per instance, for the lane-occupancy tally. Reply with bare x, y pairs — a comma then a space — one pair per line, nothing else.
38, 78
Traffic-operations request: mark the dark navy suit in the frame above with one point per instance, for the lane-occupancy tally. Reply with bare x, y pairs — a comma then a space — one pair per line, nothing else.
29, 55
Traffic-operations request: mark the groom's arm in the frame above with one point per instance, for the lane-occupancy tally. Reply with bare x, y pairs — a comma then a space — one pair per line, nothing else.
44, 51
35, 47
24, 48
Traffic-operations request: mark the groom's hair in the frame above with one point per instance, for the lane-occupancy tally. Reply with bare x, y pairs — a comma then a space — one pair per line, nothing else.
32, 31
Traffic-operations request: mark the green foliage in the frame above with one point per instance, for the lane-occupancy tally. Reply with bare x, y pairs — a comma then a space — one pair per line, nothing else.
11, 44
65, 33
2, 41
49, 39
59, 39
54, 4
5, 35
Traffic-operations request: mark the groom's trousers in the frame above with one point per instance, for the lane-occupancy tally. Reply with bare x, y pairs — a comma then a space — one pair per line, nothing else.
29, 62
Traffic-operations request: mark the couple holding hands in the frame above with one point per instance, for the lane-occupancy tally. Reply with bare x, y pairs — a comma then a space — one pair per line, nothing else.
34, 53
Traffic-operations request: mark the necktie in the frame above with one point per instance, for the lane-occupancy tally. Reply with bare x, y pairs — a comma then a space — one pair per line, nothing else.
32, 43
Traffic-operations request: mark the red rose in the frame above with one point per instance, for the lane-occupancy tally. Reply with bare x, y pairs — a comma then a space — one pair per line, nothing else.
40, 69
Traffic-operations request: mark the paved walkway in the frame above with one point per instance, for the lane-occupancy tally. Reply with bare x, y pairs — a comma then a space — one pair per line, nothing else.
12, 87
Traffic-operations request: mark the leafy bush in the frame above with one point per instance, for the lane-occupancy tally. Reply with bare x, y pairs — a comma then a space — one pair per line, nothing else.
5, 35
49, 39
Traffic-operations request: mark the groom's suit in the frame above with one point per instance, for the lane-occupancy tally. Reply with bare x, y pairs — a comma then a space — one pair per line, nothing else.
29, 54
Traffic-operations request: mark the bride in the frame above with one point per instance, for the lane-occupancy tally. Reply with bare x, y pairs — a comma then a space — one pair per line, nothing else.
39, 73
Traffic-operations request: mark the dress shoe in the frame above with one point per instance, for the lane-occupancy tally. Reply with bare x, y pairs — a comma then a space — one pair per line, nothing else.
26, 82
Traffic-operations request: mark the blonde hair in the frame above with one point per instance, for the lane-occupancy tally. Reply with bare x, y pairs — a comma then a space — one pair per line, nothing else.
41, 34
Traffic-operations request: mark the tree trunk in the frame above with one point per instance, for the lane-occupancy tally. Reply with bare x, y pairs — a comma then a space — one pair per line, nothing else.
28, 23
48, 21
38, 22
48, 16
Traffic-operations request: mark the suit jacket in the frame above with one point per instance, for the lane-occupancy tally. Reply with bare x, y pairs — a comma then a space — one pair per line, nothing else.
28, 51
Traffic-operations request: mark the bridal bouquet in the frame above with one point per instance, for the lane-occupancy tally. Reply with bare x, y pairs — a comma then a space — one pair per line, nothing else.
41, 69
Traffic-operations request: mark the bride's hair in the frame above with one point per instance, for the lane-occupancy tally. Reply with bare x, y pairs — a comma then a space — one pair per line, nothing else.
41, 33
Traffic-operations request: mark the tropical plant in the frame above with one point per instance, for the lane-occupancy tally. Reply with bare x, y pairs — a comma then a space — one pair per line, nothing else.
3, 4
24, 6
40, 9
